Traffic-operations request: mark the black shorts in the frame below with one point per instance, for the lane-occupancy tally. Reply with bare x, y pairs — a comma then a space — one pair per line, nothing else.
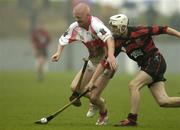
155, 66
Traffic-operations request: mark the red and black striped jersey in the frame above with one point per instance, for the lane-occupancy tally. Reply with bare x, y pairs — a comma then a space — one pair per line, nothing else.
138, 44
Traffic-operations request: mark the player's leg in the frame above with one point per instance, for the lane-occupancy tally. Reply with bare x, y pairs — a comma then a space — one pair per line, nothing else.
141, 79
86, 78
41, 57
158, 89
162, 98
92, 107
97, 100
100, 83
39, 67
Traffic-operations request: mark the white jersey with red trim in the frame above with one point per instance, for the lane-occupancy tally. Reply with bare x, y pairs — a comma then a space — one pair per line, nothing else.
94, 38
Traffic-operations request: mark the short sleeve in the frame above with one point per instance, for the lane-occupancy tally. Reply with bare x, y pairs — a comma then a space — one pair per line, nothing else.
101, 30
69, 35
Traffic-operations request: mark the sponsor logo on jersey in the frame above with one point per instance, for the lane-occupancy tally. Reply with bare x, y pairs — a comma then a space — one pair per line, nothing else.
102, 31
136, 53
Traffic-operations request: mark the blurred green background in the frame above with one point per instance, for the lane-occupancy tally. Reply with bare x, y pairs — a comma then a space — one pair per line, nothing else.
23, 99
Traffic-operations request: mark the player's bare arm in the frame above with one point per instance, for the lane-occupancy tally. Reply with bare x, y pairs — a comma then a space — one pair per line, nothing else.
173, 32
57, 55
111, 58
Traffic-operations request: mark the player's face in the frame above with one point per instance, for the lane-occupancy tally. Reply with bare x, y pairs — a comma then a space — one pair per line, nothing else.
119, 31
123, 29
114, 30
82, 20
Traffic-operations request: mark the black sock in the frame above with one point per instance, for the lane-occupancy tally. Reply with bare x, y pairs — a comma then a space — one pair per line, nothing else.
103, 113
132, 117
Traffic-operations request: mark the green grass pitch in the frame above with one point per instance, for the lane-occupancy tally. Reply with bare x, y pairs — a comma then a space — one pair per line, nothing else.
23, 100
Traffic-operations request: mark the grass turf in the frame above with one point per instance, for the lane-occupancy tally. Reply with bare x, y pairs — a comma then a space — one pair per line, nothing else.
23, 100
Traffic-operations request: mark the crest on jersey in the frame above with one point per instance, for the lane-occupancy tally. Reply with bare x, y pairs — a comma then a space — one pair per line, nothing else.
102, 31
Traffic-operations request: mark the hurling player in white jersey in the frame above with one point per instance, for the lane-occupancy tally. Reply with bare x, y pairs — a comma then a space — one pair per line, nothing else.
90, 31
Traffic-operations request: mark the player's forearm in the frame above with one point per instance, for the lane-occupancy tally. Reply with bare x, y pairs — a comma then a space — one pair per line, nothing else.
111, 58
110, 44
173, 32
60, 49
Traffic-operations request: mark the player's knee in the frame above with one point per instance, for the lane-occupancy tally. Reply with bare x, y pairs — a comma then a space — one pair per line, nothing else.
132, 86
90, 67
73, 88
93, 99
163, 102
108, 73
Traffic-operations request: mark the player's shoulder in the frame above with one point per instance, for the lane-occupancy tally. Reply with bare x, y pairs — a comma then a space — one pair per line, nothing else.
96, 21
97, 24
136, 28
73, 25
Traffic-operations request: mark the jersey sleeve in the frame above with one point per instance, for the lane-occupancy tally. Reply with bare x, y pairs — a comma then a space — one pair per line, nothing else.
101, 30
148, 31
70, 35
156, 30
